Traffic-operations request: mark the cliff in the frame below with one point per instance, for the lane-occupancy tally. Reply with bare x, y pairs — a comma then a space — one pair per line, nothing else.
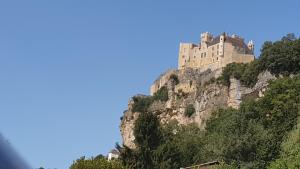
192, 87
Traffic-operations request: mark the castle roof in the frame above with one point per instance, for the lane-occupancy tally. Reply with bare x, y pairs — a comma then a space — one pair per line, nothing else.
238, 42
214, 41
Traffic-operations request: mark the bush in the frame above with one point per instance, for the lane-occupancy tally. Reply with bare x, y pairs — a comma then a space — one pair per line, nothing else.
189, 110
280, 57
174, 77
141, 104
251, 136
96, 163
161, 94
246, 73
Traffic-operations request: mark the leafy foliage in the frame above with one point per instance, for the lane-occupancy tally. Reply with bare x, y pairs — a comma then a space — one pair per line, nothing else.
173, 147
142, 103
189, 110
251, 135
290, 153
148, 136
96, 163
147, 131
246, 73
281, 57
174, 77
161, 94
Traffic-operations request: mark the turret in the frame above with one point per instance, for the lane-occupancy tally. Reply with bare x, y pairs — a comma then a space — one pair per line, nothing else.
221, 44
206, 37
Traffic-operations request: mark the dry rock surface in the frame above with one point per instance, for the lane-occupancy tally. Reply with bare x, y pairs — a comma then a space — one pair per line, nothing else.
198, 89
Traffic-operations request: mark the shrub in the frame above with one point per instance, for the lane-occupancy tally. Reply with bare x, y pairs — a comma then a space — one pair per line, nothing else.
189, 110
280, 57
96, 163
141, 104
174, 77
246, 73
161, 94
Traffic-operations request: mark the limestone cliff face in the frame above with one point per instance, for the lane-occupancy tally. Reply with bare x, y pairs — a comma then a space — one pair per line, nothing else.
200, 90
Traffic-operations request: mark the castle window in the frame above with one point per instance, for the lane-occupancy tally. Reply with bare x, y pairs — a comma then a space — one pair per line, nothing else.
213, 54
217, 46
217, 58
204, 54
217, 52
194, 56
213, 48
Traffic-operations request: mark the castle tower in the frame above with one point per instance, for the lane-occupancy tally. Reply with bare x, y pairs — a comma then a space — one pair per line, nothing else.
205, 38
221, 47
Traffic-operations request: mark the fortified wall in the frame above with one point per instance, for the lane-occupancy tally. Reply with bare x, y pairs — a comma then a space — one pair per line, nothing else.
212, 53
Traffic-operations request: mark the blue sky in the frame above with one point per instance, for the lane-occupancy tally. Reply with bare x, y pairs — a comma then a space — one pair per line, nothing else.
68, 67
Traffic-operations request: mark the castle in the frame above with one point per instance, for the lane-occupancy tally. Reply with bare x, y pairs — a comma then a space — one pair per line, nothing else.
215, 52
212, 53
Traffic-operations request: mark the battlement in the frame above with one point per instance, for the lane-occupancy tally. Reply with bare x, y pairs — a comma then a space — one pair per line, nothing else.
215, 52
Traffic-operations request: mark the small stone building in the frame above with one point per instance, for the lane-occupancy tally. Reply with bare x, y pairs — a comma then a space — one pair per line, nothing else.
113, 154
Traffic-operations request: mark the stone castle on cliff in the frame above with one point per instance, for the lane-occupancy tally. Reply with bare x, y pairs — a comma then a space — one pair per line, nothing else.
212, 53
194, 83
215, 52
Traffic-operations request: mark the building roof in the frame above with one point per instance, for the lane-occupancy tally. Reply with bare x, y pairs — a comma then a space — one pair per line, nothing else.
238, 42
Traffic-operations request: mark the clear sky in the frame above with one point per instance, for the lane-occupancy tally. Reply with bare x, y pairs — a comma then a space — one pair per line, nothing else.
69, 67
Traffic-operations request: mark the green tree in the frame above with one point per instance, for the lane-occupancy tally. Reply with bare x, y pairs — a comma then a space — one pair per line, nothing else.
96, 163
281, 57
290, 153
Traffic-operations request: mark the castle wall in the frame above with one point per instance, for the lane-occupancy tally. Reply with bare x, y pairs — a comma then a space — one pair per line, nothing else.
232, 55
161, 81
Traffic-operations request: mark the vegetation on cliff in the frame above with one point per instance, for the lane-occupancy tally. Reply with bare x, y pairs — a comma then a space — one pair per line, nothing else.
189, 110
280, 58
248, 137
169, 146
142, 103
96, 163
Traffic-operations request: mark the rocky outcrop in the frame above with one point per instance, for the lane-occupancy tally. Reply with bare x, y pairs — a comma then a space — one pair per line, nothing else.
198, 89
